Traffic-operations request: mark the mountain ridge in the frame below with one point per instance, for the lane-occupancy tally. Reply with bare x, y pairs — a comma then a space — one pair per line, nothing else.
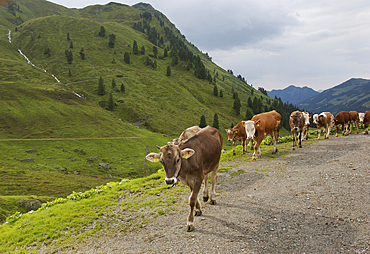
293, 94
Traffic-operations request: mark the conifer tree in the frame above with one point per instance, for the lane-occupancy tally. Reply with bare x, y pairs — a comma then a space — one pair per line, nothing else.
113, 83
203, 122
110, 102
215, 121
68, 37
71, 45
126, 58
155, 51
69, 73
215, 90
248, 115
135, 48
101, 87
122, 88
168, 71
237, 106
165, 54
102, 31
142, 50
112, 40
221, 94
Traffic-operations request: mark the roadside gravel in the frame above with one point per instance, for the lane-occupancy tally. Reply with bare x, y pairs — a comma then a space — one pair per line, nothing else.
312, 200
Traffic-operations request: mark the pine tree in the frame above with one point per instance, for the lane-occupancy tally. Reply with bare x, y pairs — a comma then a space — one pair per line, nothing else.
101, 87
126, 58
237, 106
69, 73
249, 102
110, 102
135, 48
68, 37
221, 94
71, 45
122, 88
82, 54
112, 40
102, 32
155, 51
168, 71
248, 115
215, 90
215, 121
165, 54
113, 83
142, 50
203, 122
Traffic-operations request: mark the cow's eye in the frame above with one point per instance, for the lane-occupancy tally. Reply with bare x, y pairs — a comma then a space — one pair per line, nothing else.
178, 160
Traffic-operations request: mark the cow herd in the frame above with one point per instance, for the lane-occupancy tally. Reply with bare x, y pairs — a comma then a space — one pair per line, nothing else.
196, 153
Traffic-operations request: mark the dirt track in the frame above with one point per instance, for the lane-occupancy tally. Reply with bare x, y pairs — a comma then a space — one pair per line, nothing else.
313, 200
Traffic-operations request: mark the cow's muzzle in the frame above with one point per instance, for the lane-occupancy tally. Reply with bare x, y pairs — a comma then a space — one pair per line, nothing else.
172, 180
296, 128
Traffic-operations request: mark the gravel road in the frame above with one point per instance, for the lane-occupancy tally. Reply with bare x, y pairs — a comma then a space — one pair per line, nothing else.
312, 200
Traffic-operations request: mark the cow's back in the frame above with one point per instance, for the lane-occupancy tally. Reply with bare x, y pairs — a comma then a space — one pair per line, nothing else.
207, 144
342, 117
354, 115
367, 118
267, 121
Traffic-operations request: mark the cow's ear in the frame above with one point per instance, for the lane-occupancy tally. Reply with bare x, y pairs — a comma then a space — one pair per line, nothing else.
153, 157
236, 131
187, 153
256, 123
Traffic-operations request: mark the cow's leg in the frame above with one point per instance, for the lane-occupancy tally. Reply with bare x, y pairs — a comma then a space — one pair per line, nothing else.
234, 143
300, 140
327, 132
244, 145
205, 189
257, 150
213, 185
357, 126
336, 134
274, 138
293, 138
252, 147
319, 132
366, 131
194, 202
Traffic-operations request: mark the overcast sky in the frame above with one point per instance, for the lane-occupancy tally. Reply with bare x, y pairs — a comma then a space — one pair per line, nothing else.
274, 44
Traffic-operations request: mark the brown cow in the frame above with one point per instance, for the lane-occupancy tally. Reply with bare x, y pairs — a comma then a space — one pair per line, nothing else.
190, 162
354, 119
366, 121
186, 134
237, 133
342, 118
263, 124
296, 122
324, 120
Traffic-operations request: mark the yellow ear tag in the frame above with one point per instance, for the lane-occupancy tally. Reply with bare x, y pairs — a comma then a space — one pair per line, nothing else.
155, 159
258, 124
186, 155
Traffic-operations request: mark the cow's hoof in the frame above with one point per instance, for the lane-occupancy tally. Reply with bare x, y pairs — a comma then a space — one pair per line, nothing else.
293, 148
205, 199
190, 228
300, 146
213, 202
233, 153
198, 213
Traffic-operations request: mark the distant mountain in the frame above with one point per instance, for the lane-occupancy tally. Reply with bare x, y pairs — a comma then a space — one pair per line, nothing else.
354, 94
293, 94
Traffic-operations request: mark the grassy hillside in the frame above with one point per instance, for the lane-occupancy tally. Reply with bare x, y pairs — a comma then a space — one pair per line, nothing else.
54, 142
354, 94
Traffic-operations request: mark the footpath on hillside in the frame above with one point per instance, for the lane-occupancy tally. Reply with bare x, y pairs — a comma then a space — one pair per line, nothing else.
312, 200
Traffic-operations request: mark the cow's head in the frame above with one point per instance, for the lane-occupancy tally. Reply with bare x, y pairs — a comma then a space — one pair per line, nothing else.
361, 116
296, 120
231, 134
171, 157
307, 117
315, 118
250, 128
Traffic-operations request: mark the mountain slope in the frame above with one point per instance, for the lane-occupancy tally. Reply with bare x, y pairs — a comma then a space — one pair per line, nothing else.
353, 94
293, 94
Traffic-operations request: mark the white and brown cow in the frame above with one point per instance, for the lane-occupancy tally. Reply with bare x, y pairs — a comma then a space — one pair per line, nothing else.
354, 119
259, 126
296, 122
186, 134
365, 119
237, 133
324, 120
307, 117
342, 118
190, 162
